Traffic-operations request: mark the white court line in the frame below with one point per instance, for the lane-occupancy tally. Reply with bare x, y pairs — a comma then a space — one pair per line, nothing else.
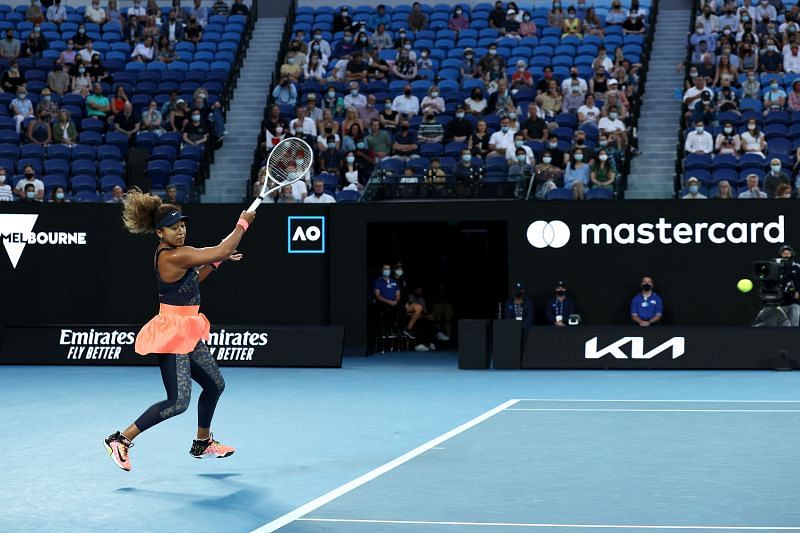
667, 410
369, 476
646, 401
572, 526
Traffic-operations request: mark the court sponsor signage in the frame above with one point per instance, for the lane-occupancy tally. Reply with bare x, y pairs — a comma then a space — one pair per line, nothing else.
16, 232
660, 347
230, 345
306, 234
557, 233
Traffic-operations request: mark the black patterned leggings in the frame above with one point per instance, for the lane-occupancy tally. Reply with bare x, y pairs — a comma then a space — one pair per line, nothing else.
178, 371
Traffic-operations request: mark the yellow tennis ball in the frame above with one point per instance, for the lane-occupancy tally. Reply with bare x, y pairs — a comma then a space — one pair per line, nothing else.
745, 285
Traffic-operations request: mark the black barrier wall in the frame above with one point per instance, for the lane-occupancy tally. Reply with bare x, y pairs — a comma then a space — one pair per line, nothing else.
600, 249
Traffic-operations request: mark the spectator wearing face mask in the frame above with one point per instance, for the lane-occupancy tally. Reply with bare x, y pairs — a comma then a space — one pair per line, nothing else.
21, 107
699, 141
751, 88
458, 21
602, 172
28, 183
354, 98
612, 126
195, 132
459, 128
345, 47
753, 192
753, 140
693, 188
469, 67
576, 176
519, 306
560, 306
775, 178
405, 145
13, 79
433, 103
430, 131
466, 169
406, 104
319, 196
765, 10
6, 193
502, 140
342, 21
771, 60
330, 159
513, 150
774, 98
647, 308
728, 140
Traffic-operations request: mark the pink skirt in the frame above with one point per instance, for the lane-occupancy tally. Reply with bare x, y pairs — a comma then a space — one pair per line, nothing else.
175, 329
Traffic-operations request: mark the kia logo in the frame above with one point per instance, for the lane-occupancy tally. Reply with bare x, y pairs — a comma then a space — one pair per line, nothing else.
543, 234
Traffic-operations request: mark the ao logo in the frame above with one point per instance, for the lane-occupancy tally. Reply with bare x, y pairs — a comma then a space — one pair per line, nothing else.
312, 233
543, 234
306, 235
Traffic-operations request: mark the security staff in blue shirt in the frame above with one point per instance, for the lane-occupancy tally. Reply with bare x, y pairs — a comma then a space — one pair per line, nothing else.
647, 307
387, 295
559, 307
519, 306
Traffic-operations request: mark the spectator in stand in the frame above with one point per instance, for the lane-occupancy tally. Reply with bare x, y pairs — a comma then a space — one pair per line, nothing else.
430, 131
589, 113
166, 53
21, 107
238, 8
576, 177
497, 17
30, 180
200, 12
647, 308
118, 195
459, 128
458, 20
179, 116
354, 135
314, 112
555, 17
6, 193
314, 69
342, 21
775, 178
519, 167
9, 47
548, 174
354, 99
34, 45
405, 68
152, 119
285, 93
511, 25
380, 40
551, 101
572, 25
356, 69
424, 62
560, 306
195, 132
405, 145
479, 140
469, 67
728, 141
793, 101
137, 9
221, 8
39, 131
724, 191
330, 159
125, 122
144, 52
528, 27
534, 128
519, 144
352, 175
369, 111
476, 104
753, 140
58, 195
319, 195
433, 103
602, 172
273, 136
97, 104
693, 188
699, 141
417, 20
501, 140
56, 13
791, 59
361, 43
389, 118
94, 13
521, 79
774, 98
379, 18
726, 99
378, 140
573, 99
302, 126
616, 15
352, 118
519, 306
64, 131
771, 61
119, 100
378, 68
88, 52
47, 106
466, 169
592, 25
784, 191
68, 55
172, 29
80, 37
132, 31
193, 31
406, 104
753, 191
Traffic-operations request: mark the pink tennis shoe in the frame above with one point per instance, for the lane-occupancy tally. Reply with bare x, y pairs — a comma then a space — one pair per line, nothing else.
117, 446
210, 449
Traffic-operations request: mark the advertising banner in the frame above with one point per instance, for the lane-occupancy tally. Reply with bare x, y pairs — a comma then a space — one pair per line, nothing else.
230, 346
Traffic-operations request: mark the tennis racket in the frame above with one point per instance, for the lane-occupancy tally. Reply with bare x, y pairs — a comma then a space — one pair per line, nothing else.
287, 163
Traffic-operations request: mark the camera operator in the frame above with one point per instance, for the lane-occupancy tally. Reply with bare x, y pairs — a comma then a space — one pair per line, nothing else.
790, 283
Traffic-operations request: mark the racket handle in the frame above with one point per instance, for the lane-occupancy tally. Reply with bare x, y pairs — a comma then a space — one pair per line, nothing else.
254, 205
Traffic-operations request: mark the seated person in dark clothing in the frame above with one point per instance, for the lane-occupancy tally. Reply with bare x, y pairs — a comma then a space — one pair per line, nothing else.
459, 129
194, 131
559, 307
405, 141
126, 122
534, 128
330, 160
519, 306
465, 170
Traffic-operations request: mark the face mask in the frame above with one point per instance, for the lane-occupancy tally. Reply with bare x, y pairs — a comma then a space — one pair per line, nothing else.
30, 195
398, 273
468, 56
726, 31
278, 130
2, 178
331, 146
22, 96
745, 18
466, 158
504, 129
546, 160
434, 94
776, 168
603, 143
81, 31
492, 52
728, 130
476, 96
772, 48
692, 74
553, 145
348, 39
290, 60
81, 70
512, 116
521, 157
700, 31
59, 196
318, 37
459, 115
196, 118
350, 159
699, 129
458, 12
354, 92
751, 127
29, 175
331, 94
521, 68
774, 87
692, 189
646, 286
361, 146
518, 144
526, 18
613, 116
603, 157
387, 273
578, 157
407, 46
424, 55
363, 39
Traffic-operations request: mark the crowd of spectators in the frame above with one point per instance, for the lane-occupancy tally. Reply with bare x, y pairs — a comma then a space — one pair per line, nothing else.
59, 86
742, 101
430, 99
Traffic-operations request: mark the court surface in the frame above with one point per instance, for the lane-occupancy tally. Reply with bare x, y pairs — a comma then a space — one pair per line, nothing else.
408, 443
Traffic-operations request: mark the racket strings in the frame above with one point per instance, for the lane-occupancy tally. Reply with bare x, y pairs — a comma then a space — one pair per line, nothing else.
289, 161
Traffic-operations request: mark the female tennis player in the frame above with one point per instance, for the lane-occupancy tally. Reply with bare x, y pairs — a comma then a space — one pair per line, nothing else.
177, 333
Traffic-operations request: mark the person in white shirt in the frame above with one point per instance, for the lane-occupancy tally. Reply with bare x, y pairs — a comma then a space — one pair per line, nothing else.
589, 113
320, 45
95, 13
791, 60
612, 126
6, 194
752, 191
693, 185
319, 196
695, 93
502, 140
302, 125
566, 85
30, 179
354, 98
87, 52
699, 141
137, 9
144, 51
406, 103
519, 144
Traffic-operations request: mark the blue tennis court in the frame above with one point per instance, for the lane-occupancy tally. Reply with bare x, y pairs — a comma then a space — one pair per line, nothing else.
409, 443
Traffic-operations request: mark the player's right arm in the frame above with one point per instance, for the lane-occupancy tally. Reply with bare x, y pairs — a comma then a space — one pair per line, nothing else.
187, 257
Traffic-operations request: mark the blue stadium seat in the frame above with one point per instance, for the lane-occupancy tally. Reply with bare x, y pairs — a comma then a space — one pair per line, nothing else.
559, 194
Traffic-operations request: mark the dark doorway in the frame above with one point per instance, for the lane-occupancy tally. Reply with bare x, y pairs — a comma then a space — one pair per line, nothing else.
463, 263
